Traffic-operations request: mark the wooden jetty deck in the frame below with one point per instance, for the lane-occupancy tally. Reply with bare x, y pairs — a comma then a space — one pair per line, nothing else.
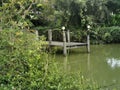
67, 44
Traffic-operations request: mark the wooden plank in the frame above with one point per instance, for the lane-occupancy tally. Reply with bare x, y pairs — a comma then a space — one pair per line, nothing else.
55, 43
73, 47
76, 44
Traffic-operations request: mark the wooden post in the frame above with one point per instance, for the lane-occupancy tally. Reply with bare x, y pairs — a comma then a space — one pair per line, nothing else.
68, 36
50, 39
64, 43
88, 39
37, 34
88, 43
50, 36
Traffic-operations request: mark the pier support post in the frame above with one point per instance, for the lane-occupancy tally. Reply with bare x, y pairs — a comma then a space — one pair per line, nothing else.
64, 42
88, 43
50, 38
37, 34
68, 36
88, 38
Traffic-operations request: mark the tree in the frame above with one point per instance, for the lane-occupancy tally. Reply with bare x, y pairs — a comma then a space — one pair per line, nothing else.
69, 12
98, 10
116, 4
114, 12
42, 13
14, 13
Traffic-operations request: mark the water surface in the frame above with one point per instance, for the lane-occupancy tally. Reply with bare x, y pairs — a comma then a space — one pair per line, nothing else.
102, 64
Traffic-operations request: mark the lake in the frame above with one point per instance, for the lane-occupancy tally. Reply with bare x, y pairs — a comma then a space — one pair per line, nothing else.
101, 65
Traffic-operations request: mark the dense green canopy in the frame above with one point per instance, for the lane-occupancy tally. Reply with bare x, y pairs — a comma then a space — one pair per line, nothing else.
73, 14
62, 12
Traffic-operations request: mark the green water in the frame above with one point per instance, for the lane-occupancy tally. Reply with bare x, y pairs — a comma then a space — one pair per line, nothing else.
101, 65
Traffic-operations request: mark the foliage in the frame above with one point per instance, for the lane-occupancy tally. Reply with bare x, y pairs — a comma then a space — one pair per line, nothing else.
25, 65
82, 12
106, 35
42, 13
69, 12
72, 81
53, 13
97, 10
22, 60
116, 4
115, 20
25, 13
13, 13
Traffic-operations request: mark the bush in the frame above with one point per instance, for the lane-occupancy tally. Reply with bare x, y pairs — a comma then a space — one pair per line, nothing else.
115, 20
106, 35
24, 65
22, 59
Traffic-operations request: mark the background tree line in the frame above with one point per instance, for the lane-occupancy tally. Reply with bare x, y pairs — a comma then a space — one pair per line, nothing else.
73, 14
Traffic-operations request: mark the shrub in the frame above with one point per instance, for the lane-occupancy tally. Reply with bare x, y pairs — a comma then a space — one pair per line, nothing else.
106, 34
115, 20
24, 65
22, 59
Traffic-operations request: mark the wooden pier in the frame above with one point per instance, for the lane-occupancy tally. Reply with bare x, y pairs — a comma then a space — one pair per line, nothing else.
67, 44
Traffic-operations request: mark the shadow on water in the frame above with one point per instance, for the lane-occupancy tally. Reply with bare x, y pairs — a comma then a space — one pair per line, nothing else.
102, 64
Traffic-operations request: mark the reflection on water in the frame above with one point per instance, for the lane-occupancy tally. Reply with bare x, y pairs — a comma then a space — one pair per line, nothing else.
113, 62
102, 64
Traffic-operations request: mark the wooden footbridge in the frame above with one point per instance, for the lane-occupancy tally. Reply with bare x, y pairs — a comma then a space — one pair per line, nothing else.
67, 44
